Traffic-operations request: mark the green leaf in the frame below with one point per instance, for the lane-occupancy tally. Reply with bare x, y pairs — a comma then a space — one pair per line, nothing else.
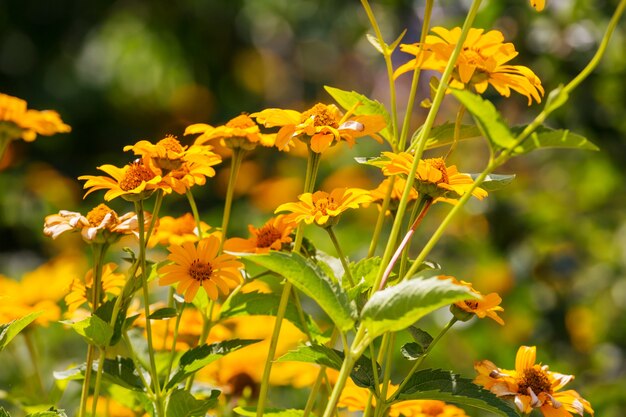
4, 413
163, 313
544, 137
444, 135
198, 357
312, 281
105, 312
396, 308
270, 412
11, 329
94, 330
390, 48
412, 351
423, 338
494, 182
264, 304
348, 99
52, 412
121, 371
446, 386
184, 404
488, 119
365, 270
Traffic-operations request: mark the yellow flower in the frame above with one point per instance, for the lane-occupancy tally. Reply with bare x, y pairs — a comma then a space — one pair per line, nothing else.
16, 121
485, 306
81, 290
433, 177
325, 125
240, 132
379, 193
177, 230
532, 386
273, 235
101, 224
133, 182
194, 266
538, 4
324, 208
482, 61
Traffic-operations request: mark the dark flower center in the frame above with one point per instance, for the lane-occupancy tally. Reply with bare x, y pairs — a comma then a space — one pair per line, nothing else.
322, 116
135, 174
535, 379
199, 270
267, 235
440, 165
97, 214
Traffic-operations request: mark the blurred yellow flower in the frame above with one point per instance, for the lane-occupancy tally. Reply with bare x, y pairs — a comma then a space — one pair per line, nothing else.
485, 306
81, 290
482, 61
538, 4
273, 235
239, 132
531, 386
194, 266
177, 230
325, 125
324, 208
16, 121
133, 182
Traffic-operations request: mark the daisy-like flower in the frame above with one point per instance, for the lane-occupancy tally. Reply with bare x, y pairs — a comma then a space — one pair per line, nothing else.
532, 386
194, 266
324, 208
482, 61
240, 132
433, 177
101, 224
485, 306
16, 121
81, 290
132, 182
177, 230
273, 235
323, 124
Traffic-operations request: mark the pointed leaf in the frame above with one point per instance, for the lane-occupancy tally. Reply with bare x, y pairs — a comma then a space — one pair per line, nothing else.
198, 357
421, 337
437, 384
396, 308
52, 412
488, 119
121, 371
375, 43
412, 351
94, 330
444, 135
395, 43
163, 313
494, 182
309, 278
544, 137
105, 312
11, 329
270, 412
184, 404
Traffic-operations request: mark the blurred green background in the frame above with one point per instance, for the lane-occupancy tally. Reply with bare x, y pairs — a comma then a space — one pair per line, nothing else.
553, 243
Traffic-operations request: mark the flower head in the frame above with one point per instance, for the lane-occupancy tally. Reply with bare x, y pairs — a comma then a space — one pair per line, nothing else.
324, 208
484, 306
240, 132
81, 290
176, 230
324, 125
16, 121
482, 61
194, 266
273, 235
379, 193
532, 386
133, 182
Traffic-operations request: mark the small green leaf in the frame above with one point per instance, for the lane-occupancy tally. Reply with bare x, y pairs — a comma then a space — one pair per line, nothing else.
365, 270
105, 312
544, 137
396, 308
443, 135
198, 357
348, 99
94, 330
184, 404
121, 371
270, 412
412, 351
494, 182
488, 119
375, 43
423, 338
163, 313
309, 278
52, 412
395, 43
11, 329
437, 384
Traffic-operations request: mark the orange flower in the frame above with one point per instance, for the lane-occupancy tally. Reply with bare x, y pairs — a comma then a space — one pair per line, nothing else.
16, 121
273, 235
194, 266
325, 125
532, 386
81, 291
177, 230
240, 132
324, 208
485, 306
434, 178
482, 61
133, 182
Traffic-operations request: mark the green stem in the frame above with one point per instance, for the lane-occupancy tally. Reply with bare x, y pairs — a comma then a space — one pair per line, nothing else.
236, 159
137, 363
96, 388
157, 207
342, 257
321, 375
194, 211
346, 367
404, 258
4, 144
207, 324
457, 130
381, 218
175, 339
34, 358
386, 375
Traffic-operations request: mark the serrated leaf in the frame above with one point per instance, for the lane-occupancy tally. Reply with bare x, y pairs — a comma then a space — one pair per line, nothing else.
422, 337
412, 350
446, 386
264, 304
348, 99
184, 404
94, 330
544, 137
489, 120
52, 412
309, 278
396, 308
11, 329
121, 371
494, 182
270, 412
163, 313
198, 357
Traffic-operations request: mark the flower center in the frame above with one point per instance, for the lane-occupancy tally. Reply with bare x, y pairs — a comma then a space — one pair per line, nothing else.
535, 379
171, 144
472, 304
199, 270
97, 214
267, 235
473, 58
432, 408
440, 165
325, 203
135, 174
242, 121
322, 116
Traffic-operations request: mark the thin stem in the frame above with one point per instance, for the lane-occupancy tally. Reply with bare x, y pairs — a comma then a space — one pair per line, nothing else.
155, 211
457, 130
137, 363
342, 257
375, 368
34, 358
405, 253
381, 217
386, 375
96, 388
174, 340
346, 367
321, 375
207, 325
236, 159
194, 211
4, 144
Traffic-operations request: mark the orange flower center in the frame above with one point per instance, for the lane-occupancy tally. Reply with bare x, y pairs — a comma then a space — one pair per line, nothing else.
267, 235
199, 270
440, 165
536, 379
473, 57
323, 204
170, 143
241, 122
322, 116
432, 408
97, 214
135, 174
472, 304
